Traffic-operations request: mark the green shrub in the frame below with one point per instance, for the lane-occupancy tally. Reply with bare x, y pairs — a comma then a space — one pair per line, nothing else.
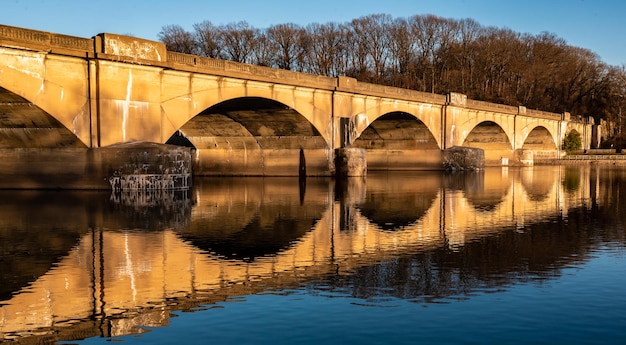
572, 142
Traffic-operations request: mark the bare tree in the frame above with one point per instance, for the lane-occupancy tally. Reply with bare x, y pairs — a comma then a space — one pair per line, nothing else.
371, 40
264, 51
326, 55
462, 54
238, 41
177, 39
286, 38
208, 39
402, 49
433, 36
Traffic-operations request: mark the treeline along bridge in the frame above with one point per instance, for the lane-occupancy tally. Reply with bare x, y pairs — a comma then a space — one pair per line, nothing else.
68, 103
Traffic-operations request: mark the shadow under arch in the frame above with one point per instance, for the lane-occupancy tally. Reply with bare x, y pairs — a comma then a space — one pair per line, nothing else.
396, 200
253, 136
399, 141
25, 125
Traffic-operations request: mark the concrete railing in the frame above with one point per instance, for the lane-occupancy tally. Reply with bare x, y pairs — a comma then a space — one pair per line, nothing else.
481, 105
45, 39
253, 71
396, 92
594, 157
542, 114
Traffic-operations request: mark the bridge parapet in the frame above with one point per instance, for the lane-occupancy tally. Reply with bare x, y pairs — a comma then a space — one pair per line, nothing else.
543, 114
252, 72
582, 119
390, 91
500, 108
35, 39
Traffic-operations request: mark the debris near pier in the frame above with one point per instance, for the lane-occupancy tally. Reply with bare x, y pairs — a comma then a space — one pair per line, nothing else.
150, 167
463, 158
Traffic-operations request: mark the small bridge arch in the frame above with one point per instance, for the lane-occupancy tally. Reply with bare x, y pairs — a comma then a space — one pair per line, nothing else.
492, 138
540, 138
398, 141
366, 110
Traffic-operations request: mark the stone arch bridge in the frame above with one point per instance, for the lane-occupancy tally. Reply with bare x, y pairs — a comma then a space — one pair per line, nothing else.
63, 98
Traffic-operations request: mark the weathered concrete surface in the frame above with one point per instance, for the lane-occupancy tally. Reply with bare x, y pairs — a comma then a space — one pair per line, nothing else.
463, 158
350, 162
80, 168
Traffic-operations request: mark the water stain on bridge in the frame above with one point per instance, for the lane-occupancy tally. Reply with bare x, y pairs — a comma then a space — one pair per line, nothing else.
80, 264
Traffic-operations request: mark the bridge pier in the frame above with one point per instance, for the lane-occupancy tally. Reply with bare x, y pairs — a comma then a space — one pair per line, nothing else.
525, 157
463, 158
350, 162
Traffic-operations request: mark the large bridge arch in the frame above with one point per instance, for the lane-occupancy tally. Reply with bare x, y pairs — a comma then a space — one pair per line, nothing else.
58, 85
254, 136
184, 95
25, 125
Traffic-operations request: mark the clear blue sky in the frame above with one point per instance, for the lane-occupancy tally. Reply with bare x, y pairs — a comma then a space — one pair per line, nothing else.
598, 25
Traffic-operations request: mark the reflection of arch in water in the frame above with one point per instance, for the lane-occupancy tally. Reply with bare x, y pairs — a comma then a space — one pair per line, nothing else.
399, 201
536, 184
518, 208
486, 189
254, 217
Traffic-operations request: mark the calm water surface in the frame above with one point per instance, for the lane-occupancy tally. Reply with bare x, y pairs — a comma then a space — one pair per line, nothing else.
504, 256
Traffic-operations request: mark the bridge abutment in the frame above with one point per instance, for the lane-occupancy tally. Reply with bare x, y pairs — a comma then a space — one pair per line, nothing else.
125, 167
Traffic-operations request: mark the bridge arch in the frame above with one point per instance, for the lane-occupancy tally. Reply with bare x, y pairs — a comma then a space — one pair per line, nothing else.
254, 136
57, 85
540, 137
492, 138
25, 125
398, 141
366, 110
197, 92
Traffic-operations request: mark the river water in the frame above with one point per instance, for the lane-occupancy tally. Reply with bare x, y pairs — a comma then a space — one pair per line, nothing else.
506, 255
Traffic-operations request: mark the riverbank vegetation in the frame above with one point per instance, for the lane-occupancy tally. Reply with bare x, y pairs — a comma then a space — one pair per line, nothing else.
427, 53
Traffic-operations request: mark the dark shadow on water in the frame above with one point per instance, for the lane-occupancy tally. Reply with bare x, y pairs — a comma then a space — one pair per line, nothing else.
37, 228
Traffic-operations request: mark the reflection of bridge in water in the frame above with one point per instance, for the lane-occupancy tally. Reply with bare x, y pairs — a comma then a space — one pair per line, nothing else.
248, 235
